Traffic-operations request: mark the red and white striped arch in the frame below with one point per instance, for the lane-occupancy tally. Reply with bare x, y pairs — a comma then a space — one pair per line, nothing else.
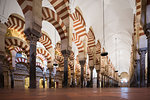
60, 59
17, 23
79, 43
80, 29
46, 41
41, 57
38, 64
45, 53
21, 60
91, 38
54, 19
26, 5
98, 47
62, 9
13, 41
17, 49
90, 53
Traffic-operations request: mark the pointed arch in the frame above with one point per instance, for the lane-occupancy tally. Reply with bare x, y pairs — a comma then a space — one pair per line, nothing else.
79, 27
91, 38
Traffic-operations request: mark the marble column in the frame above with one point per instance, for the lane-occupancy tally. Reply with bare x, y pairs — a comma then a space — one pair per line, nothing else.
142, 52
98, 85
50, 84
33, 25
73, 80
66, 54
148, 56
82, 63
43, 80
3, 30
91, 81
32, 36
1, 71
12, 78
138, 71
102, 79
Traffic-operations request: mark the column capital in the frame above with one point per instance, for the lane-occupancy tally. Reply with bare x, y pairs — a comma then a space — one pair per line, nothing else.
82, 62
147, 30
32, 35
137, 61
65, 53
142, 50
91, 67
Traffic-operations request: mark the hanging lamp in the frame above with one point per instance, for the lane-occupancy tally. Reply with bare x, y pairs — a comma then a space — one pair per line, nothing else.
104, 53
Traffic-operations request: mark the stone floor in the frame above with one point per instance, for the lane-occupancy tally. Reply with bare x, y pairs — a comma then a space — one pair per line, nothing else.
76, 94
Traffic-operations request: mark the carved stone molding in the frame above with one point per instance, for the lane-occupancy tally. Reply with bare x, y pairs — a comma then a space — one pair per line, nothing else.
82, 62
142, 50
32, 35
65, 53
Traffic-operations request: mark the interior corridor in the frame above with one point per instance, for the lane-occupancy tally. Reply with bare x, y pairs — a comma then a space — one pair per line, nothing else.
75, 49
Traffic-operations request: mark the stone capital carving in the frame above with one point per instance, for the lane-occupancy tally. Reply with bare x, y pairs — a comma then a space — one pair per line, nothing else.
32, 35
147, 30
65, 53
91, 67
137, 61
142, 50
82, 62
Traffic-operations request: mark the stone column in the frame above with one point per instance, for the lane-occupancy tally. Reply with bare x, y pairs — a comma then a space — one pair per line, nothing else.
1, 71
142, 52
43, 80
98, 85
3, 30
12, 78
50, 70
148, 55
33, 24
82, 62
32, 58
102, 79
138, 71
66, 54
91, 81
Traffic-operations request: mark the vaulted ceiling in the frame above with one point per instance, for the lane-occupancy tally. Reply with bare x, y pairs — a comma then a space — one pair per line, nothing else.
118, 24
